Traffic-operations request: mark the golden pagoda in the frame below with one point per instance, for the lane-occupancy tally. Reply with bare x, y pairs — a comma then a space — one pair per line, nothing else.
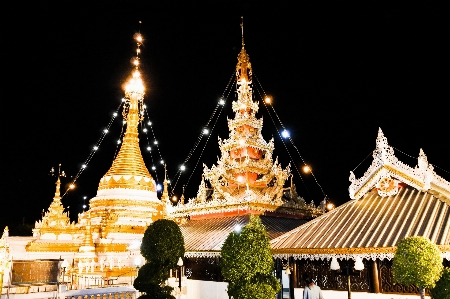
110, 231
245, 180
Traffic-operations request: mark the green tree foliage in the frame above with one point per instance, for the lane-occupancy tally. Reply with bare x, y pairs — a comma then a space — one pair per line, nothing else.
247, 263
442, 288
417, 261
161, 247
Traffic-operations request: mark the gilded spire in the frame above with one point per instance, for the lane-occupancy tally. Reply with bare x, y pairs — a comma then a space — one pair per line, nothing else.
128, 169
165, 194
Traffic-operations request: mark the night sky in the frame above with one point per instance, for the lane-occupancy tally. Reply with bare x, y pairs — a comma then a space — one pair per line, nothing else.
336, 71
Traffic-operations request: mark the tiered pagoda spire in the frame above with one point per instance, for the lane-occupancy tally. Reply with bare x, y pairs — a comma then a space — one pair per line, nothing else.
127, 192
245, 179
55, 221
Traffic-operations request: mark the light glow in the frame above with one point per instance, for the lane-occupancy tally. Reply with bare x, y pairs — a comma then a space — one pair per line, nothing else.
95, 148
71, 186
221, 102
285, 134
149, 148
105, 131
182, 167
268, 100
135, 84
237, 228
162, 161
158, 187
115, 114
205, 131
153, 167
306, 169
149, 123
330, 206
83, 166
145, 130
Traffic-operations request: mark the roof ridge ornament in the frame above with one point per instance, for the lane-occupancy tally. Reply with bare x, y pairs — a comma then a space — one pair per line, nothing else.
386, 172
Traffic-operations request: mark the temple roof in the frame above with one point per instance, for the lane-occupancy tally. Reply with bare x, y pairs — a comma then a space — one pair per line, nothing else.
391, 201
371, 225
205, 237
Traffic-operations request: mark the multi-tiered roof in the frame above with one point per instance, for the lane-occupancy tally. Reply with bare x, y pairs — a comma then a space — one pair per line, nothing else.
245, 179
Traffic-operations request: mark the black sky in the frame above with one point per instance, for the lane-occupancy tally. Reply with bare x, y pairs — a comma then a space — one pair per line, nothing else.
337, 72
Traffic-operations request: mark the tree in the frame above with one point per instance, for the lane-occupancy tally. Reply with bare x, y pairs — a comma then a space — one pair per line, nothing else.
247, 263
417, 261
442, 288
161, 247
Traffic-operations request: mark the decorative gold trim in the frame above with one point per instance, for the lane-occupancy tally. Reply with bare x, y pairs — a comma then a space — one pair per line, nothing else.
52, 247
404, 176
359, 250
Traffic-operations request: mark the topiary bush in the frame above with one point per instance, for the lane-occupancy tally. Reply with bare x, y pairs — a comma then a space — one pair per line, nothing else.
417, 261
247, 263
161, 247
442, 288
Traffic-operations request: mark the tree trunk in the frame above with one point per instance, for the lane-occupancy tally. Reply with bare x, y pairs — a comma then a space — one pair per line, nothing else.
422, 292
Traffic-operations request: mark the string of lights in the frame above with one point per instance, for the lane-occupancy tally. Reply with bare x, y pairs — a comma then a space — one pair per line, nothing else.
266, 100
93, 150
155, 142
206, 131
417, 158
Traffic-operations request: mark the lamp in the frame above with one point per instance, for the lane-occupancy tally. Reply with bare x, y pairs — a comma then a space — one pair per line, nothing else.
180, 264
359, 266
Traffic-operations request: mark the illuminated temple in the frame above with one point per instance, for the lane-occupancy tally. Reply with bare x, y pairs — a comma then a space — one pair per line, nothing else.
98, 254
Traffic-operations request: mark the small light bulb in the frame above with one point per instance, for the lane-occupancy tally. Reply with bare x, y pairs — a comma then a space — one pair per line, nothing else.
84, 197
205, 131
168, 181
268, 100
123, 100
105, 131
221, 102
306, 169
84, 206
162, 161
149, 123
158, 187
115, 114
153, 167
182, 167
285, 134
83, 166
95, 148
155, 142
144, 106
149, 148
145, 130
71, 186
118, 141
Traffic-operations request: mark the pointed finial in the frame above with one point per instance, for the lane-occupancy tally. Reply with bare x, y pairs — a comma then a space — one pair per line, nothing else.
381, 140
242, 30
